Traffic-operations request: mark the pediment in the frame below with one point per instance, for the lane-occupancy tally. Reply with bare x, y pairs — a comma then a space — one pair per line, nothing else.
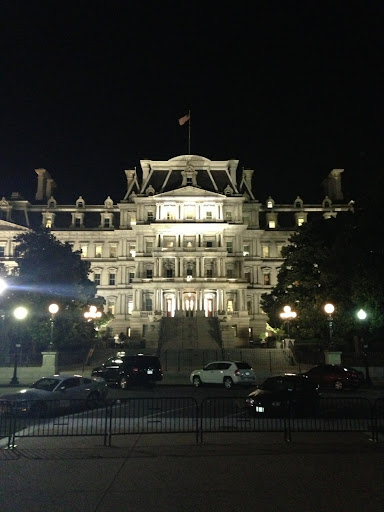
189, 191
10, 226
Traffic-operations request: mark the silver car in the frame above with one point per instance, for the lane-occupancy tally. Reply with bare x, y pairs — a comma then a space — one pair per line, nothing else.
50, 394
226, 373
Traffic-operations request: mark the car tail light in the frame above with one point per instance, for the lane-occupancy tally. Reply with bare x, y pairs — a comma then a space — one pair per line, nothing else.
237, 373
135, 370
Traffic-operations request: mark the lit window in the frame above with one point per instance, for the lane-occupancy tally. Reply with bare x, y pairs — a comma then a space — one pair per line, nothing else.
84, 251
265, 249
267, 279
270, 204
111, 308
300, 221
98, 251
272, 224
48, 223
130, 307
246, 250
230, 305
113, 251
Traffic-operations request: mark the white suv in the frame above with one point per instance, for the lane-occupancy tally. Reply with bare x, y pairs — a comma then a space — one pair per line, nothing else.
227, 373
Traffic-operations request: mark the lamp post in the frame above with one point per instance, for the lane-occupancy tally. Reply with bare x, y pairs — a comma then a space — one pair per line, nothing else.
92, 313
19, 313
329, 309
53, 309
287, 315
362, 315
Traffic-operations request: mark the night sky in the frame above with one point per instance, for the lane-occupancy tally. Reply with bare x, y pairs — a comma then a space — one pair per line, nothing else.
88, 88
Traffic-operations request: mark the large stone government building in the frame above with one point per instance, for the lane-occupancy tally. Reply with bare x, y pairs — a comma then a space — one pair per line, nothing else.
183, 258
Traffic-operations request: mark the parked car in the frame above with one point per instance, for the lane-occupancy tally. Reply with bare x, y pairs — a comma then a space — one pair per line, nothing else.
49, 394
284, 395
227, 373
335, 376
126, 371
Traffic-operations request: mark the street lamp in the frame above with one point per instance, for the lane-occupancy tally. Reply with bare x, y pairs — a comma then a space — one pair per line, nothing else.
19, 313
287, 315
92, 314
53, 309
362, 315
329, 309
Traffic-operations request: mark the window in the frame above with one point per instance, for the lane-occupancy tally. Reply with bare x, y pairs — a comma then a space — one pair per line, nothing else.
149, 247
208, 216
189, 214
246, 250
112, 279
248, 276
2, 250
107, 223
300, 221
209, 272
149, 273
229, 246
209, 243
169, 272
97, 279
98, 251
132, 250
229, 305
228, 216
267, 279
131, 277
265, 251
189, 271
77, 222
84, 251
130, 306
272, 224
189, 181
279, 250
111, 308
48, 223
113, 251
230, 273
150, 216
147, 304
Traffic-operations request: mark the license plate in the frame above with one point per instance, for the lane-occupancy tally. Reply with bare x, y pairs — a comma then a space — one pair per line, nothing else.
149, 372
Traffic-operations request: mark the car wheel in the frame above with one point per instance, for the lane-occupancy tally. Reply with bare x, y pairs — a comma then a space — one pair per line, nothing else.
39, 409
93, 400
196, 381
123, 383
228, 382
339, 385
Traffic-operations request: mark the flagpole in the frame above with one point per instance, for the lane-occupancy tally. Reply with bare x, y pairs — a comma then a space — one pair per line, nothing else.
189, 133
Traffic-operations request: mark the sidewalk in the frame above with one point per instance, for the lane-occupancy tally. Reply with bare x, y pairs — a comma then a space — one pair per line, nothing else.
170, 473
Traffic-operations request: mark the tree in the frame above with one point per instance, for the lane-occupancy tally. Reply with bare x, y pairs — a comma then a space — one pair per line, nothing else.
50, 272
326, 261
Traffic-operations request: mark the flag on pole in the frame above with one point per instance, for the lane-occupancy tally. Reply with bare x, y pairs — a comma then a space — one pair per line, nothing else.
184, 119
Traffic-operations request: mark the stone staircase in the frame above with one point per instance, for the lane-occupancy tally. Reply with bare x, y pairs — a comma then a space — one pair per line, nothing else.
189, 333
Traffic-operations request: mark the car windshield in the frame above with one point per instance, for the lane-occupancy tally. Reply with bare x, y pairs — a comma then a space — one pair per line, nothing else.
46, 384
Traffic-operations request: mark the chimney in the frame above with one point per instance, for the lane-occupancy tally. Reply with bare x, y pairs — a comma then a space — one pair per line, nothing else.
332, 185
45, 185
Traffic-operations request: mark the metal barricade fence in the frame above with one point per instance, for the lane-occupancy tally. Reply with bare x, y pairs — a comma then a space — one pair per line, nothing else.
153, 415
167, 415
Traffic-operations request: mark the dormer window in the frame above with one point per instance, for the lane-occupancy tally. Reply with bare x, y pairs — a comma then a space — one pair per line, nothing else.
270, 202
298, 202
80, 203
327, 203
107, 222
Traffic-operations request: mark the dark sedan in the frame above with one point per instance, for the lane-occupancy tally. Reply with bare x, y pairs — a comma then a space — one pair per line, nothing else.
284, 395
335, 376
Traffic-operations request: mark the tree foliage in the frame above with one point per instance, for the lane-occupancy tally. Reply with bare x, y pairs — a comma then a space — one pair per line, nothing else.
50, 272
329, 260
